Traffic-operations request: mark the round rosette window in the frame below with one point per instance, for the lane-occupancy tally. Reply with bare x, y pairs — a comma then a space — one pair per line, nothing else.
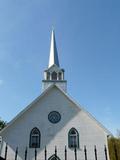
54, 117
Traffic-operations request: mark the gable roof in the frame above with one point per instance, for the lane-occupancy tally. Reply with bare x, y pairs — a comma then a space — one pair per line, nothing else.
67, 96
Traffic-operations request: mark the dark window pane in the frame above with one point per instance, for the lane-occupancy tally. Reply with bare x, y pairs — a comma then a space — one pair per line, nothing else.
54, 76
35, 138
73, 138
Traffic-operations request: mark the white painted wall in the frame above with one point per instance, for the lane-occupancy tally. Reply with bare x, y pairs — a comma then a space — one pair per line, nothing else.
90, 133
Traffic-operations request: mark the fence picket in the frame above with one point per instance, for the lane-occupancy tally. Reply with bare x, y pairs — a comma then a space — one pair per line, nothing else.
65, 153
6, 149
26, 153
85, 151
45, 153
105, 150
16, 153
95, 150
75, 151
55, 153
35, 154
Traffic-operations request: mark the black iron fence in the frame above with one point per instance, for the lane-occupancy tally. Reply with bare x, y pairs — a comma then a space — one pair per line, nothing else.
65, 153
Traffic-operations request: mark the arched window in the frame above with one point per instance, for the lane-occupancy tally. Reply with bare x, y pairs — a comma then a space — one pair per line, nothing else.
73, 138
54, 157
48, 75
35, 138
54, 76
60, 75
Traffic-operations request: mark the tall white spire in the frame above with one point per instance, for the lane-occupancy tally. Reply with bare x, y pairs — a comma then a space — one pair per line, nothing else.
54, 75
53, 59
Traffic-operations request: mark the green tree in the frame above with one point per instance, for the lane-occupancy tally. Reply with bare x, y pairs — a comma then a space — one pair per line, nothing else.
118, 133
2, 124
114, 148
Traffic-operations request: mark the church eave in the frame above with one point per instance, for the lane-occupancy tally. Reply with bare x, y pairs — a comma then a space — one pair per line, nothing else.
57, 81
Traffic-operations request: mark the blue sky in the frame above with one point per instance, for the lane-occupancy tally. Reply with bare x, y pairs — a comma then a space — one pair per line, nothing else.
88, 42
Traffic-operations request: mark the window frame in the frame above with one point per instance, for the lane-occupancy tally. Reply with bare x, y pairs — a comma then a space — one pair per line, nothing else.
60, 76
35, 136
76, 137
48, 76
54, 76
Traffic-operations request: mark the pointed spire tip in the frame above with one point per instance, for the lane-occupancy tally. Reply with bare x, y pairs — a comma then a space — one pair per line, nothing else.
53, 51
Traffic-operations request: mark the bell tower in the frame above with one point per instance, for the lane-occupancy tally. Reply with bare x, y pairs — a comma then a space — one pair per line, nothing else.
54, 74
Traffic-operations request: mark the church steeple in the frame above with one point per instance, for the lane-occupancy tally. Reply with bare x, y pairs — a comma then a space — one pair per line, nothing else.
53, 59
54, 74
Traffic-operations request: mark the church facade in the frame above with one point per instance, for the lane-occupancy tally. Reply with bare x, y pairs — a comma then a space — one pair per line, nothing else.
54, 119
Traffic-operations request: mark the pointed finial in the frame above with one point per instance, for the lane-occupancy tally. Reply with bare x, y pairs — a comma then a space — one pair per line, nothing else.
53, 59
52, 28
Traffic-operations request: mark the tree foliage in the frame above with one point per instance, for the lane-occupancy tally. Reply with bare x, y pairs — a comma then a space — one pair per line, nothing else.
114, 148
2, 124
118, 133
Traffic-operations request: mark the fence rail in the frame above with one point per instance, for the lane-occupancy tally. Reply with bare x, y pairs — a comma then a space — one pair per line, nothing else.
55, 153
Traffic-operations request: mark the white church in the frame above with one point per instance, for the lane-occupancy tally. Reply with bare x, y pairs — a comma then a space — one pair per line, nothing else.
54, 122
